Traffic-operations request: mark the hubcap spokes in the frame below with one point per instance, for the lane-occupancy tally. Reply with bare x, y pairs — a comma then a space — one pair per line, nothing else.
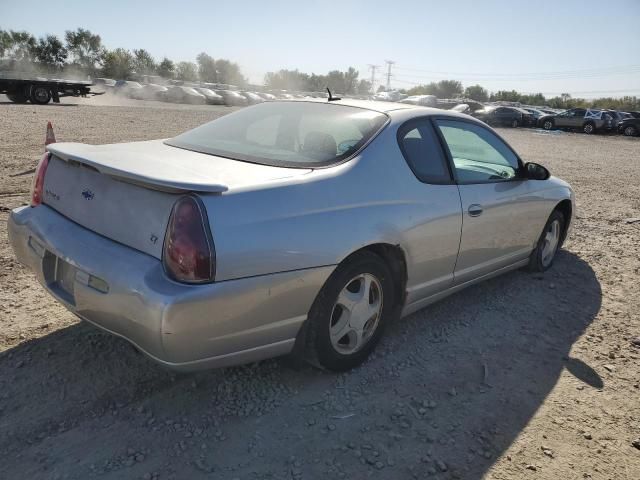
356, 314
551, 240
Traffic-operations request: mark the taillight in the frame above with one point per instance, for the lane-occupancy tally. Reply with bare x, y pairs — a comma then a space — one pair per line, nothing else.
37, 185
188, 254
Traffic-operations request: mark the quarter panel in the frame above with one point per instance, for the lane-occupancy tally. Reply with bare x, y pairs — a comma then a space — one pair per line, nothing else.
330, 213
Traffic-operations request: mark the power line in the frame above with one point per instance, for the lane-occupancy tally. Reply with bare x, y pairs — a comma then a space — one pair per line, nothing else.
471, 77
589, 71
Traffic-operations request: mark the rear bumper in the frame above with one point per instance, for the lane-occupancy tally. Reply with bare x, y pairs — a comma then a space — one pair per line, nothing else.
184, 327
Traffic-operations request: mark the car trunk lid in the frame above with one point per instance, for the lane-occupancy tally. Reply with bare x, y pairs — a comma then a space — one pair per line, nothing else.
125, 192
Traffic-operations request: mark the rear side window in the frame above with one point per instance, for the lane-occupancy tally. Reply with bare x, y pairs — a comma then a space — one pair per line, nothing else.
422, 152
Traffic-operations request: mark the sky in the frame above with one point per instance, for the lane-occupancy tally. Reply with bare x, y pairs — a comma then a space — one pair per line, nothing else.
588, 48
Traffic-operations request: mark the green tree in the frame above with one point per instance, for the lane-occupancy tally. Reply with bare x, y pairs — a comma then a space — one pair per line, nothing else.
477, 93
534, 99
429, 89
207, 68
187, 71
85, 49
351, 80
143, 62
289, 80
118, 64
449, 89
505, 96
50, 52
364, 87
166, 68
17, 46
229, 72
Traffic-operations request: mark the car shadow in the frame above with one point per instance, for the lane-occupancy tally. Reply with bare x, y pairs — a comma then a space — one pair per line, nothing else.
446, 393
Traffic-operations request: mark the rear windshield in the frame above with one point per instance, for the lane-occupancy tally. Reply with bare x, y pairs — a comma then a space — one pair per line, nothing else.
289, 134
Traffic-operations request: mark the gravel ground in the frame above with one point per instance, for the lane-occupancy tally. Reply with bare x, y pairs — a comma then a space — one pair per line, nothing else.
524, 376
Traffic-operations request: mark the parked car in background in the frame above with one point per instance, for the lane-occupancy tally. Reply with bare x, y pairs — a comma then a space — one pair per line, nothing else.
252, 97
233, 98
104, 82
125, 87
266, 96
297, 226
181, 94
630, 127
587, 120
149, 91
504, 116
462, 108
422, 100
211, 97
535, 113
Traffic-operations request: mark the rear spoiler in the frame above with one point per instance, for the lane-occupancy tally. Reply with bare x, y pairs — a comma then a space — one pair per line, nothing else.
137, 178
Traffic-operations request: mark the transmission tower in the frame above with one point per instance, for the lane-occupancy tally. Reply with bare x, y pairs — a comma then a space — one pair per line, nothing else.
389, 63
373, 76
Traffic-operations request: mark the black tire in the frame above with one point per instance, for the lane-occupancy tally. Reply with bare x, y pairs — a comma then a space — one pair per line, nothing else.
537, 262
319, 349
40, 95
589, 128
630, 131
17, 97
515, 123
548, 124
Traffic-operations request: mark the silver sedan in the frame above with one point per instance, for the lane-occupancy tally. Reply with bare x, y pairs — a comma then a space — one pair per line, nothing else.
298, 227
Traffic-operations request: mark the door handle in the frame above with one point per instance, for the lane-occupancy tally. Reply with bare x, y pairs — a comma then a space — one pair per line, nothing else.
475, 210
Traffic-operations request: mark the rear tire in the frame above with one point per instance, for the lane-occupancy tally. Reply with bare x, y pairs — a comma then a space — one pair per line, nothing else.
350, 313
589, 128
548, 124
40, 95
17, 97
548, 244
515, 123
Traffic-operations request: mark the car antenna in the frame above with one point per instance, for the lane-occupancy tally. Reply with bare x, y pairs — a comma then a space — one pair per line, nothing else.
331, 97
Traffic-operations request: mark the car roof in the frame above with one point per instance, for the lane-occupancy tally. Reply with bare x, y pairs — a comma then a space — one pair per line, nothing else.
377, 106
399, 112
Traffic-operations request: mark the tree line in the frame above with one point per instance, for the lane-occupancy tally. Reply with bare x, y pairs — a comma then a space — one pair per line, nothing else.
455, 89
82, 53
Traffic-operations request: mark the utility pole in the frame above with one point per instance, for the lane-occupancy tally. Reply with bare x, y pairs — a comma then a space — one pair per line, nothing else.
373, 76
389, 63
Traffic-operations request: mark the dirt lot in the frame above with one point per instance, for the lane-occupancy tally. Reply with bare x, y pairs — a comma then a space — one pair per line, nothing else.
525, 376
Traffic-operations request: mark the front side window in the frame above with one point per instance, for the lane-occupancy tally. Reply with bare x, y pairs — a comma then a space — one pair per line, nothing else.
289, 134
478, 155
420, 147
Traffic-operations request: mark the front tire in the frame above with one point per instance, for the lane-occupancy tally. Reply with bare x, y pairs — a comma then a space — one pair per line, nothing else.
589, 128
514, 123
349, 315
630, 131
548, 244
547, 124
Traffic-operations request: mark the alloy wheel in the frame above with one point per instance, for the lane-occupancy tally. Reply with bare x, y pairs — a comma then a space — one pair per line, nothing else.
551, 242
356, 314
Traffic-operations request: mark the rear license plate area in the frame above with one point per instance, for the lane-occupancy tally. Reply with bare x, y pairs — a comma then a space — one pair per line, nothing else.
60, 277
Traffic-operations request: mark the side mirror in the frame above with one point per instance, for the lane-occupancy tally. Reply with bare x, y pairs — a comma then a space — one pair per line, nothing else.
535, 171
